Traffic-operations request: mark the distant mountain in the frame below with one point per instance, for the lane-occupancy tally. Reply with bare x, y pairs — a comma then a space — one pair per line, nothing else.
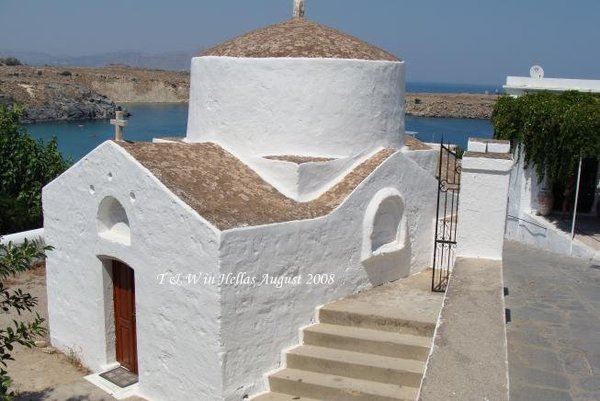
174, 61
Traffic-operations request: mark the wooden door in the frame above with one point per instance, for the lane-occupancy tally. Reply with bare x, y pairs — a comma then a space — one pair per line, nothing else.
124, 300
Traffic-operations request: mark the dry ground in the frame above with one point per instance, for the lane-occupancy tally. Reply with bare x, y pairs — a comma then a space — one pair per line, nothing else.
40, 376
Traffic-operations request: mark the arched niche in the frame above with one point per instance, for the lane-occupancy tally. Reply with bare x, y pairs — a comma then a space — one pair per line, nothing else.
112, 220
385, 229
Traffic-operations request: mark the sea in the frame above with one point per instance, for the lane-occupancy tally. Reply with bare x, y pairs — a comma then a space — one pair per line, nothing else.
152, 120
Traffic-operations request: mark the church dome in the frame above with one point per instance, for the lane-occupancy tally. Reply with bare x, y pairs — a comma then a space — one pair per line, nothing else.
299, 37
297, 88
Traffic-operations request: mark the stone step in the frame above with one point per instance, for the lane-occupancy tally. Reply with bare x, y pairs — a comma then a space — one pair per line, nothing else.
281, 397
337, 388
368, 341
347, 316
377, 368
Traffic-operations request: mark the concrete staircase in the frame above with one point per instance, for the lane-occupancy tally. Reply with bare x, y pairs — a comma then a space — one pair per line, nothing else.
364, 348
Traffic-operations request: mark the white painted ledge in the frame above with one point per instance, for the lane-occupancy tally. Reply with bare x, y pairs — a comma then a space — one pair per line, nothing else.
19, 238
115, 391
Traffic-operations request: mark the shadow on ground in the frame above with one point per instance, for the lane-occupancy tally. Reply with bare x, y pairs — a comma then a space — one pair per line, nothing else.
79, 390
46, 395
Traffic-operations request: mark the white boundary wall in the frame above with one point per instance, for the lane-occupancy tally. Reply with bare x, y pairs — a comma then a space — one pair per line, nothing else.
483, 202
19, 238
523, 224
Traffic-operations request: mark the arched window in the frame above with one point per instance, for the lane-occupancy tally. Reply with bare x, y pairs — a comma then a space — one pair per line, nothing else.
113, 223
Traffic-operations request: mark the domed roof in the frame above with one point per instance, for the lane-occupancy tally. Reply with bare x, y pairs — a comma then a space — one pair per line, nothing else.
299, 38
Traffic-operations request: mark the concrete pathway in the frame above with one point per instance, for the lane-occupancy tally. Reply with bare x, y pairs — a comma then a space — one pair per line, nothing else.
468, 362
554, 335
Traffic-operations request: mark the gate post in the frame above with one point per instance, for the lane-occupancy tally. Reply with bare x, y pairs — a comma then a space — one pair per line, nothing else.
485, 177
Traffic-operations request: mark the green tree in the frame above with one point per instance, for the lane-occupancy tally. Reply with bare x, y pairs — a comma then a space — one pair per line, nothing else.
13, 260
26, 166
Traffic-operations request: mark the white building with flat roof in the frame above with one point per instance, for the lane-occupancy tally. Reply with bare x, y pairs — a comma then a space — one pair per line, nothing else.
517, 86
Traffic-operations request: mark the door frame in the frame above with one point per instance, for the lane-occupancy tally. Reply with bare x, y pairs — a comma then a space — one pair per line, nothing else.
117, 345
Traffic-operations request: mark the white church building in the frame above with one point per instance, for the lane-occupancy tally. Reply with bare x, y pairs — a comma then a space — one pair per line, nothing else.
193, 262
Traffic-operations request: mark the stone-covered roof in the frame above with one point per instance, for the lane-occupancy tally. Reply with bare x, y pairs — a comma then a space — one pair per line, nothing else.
228, 193
299, 159
413, 143
299, 38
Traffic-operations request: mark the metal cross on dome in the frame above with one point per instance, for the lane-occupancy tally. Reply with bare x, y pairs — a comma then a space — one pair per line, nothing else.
298, 8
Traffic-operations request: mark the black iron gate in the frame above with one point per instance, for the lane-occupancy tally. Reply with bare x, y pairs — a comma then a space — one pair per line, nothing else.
444, 247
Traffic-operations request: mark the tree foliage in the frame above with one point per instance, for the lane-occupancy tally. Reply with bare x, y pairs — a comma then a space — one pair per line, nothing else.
26, 166
554, 130
10, 61
15, 259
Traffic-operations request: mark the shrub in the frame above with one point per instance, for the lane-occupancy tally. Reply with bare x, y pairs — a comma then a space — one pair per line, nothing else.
554, 130
11, 61
27, 165
15, 259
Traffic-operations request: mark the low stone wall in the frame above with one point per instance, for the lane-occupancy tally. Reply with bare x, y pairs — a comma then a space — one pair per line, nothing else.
469, 358
19, 238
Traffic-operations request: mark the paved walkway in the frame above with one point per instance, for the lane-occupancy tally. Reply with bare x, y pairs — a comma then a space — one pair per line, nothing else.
468, 362
554, 336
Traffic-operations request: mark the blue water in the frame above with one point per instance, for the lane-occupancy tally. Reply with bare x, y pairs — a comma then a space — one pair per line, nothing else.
147, 121
452, 130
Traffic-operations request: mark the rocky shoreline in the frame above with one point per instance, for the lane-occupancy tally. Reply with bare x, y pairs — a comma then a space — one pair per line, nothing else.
55, 94
450, 105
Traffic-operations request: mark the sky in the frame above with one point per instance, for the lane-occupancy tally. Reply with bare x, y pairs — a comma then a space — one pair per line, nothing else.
450, 41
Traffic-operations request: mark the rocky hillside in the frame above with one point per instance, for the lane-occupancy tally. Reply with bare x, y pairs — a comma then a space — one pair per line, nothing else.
450, 105
51, 93
60, 93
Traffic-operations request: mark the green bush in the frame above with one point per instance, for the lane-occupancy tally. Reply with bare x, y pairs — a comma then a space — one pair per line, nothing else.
26, 166
10, 61
13, 260
553, 130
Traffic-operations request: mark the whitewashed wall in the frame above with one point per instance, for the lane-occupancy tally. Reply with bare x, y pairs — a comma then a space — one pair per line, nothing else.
522, 197
275, 106
204, 341
484, 188
258, 323
177, 327
523, 224
306, 181
426, 159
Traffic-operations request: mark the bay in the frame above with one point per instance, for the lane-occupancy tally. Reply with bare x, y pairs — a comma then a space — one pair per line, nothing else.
152, 120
